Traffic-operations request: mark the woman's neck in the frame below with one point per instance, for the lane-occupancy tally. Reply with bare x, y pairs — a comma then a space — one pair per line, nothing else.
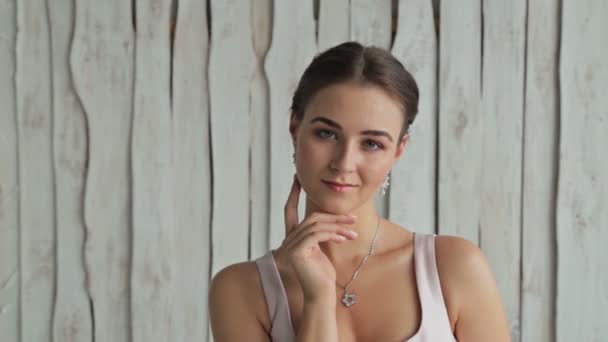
351, 251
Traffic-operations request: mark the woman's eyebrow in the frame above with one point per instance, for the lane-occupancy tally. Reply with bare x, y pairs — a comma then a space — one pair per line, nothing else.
336, 125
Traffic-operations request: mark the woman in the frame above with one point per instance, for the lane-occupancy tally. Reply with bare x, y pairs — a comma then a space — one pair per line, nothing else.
343, 272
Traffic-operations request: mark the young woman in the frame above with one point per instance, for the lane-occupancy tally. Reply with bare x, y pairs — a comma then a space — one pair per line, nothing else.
343, 273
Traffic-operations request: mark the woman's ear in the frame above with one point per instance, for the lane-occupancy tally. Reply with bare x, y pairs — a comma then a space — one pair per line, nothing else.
294, 125
402, 144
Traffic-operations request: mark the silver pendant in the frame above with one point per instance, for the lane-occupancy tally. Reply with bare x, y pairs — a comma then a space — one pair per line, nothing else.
349, 299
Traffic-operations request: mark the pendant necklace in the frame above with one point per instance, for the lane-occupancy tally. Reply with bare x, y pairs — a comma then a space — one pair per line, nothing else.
349, 299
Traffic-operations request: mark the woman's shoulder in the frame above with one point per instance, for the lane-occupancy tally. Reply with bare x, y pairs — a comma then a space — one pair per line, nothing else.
239, 287
463, 269
458, 258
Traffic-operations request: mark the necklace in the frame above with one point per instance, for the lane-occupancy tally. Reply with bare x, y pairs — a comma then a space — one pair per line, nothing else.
349, 299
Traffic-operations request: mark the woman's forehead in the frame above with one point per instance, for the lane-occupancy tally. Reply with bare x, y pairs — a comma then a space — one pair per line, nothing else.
354, 105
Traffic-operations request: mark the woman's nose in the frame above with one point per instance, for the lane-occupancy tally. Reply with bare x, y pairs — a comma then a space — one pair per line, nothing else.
344, 159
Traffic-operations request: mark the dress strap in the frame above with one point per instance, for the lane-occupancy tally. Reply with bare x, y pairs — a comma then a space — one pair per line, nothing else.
276, 298
434, 311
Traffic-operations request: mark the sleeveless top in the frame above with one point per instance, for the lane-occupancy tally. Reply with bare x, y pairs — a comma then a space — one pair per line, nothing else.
435, 324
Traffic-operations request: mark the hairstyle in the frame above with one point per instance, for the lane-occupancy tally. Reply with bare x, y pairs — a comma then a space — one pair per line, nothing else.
351, 61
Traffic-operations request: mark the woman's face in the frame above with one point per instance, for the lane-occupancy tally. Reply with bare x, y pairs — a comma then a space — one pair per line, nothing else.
348, 134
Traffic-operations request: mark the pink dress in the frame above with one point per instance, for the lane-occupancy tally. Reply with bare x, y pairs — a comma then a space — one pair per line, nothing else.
435, 325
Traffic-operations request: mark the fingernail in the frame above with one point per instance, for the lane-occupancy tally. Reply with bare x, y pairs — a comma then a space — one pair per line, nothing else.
354, 233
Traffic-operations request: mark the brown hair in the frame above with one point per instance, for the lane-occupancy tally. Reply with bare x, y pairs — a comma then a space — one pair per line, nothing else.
351, 61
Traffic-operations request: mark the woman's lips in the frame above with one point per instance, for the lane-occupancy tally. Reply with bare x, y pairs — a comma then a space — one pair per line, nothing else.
338, 187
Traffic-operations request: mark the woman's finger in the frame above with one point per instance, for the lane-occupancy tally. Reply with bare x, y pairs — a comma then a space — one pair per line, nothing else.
316, 229
312, 240
335, 223
291, 206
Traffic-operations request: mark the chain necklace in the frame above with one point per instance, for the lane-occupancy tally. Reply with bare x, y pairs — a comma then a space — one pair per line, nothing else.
349, 299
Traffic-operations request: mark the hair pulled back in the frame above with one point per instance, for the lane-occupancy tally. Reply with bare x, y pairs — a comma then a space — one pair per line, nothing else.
353, 62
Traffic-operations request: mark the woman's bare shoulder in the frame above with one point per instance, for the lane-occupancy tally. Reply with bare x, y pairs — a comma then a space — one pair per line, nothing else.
467, 282
236, 291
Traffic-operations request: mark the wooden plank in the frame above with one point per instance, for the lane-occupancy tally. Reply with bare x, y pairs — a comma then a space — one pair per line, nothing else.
36, 188
260, 132
370, 22
72, 319
540, 173
192, 171
582, 218
502, 110
460, 125
102, 67
9, 200
293, 46
153, 249
231, 66
333, 24
412, 189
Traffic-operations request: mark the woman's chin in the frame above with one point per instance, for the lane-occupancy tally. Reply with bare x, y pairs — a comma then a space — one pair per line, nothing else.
336, 206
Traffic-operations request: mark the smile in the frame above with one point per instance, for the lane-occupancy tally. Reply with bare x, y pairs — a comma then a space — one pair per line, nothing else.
339, 188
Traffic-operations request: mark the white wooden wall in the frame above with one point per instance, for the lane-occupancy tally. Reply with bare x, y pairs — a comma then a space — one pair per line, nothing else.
144, 146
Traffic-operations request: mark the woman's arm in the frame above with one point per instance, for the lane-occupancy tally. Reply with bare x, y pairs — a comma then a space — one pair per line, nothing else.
318, 322
468, 281
231, 313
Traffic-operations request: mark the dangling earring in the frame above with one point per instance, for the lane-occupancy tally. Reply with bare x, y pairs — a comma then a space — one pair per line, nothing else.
386, 184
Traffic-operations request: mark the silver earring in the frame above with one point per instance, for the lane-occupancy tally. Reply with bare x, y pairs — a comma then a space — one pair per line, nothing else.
386, 184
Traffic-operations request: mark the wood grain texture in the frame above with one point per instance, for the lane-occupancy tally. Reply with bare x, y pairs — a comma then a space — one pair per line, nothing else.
9, 194
192, 171
72, 320
582, 218
259, 196
370, 22
36, 188
231, 66
101, 61
334, 23
502, 110
460, 125
153, 271
412, 190
293, 46
540, 172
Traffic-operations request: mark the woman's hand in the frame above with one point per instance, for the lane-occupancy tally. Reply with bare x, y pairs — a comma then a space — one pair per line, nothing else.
300, 247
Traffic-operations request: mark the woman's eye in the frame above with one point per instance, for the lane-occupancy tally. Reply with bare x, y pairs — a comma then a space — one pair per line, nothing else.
373, 145
369, 144
323, 133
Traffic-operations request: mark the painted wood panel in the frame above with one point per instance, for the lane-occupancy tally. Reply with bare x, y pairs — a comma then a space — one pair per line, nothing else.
370, 22
101, 62
90, 124
460, 125
582, 218
259, 196
293, 46
9, 191
540, 173
333, 25
153, 229
36, 186
231, 67
412, 190
502, 111
191, 171
72, 320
